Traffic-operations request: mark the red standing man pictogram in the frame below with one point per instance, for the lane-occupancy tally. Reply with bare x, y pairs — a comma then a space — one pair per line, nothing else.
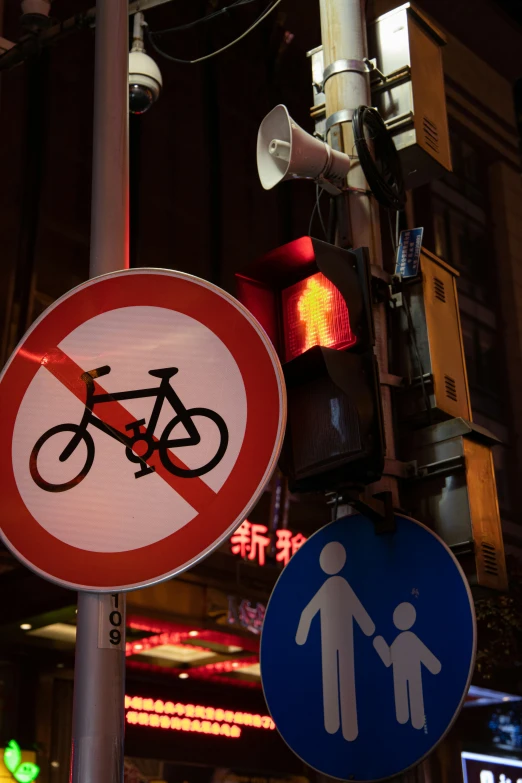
314, 306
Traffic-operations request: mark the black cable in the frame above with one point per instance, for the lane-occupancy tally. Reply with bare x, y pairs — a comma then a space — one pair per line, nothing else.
413, 339
382, 169
202, 19
321, 221
332, 221
260, 18
317, 208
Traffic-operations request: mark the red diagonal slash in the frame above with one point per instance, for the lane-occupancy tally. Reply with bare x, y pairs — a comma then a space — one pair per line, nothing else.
193, 490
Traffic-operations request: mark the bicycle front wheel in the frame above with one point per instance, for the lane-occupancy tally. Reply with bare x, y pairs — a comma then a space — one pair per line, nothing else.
33, 459
167, 457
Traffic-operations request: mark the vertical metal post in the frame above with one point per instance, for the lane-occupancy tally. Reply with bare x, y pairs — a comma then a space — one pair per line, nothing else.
99, 673
110, 163
343, 32
99, 689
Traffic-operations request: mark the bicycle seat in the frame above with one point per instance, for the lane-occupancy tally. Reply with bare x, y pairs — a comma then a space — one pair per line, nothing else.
166, 372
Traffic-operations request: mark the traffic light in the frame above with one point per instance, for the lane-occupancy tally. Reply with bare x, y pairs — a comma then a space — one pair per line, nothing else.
314, 301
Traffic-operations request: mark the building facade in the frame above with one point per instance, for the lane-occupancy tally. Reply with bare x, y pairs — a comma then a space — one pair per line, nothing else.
195, 711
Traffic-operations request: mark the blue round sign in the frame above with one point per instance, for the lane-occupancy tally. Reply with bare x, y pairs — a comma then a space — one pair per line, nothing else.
368, 648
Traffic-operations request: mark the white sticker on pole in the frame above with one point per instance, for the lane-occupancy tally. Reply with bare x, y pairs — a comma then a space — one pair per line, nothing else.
111, 621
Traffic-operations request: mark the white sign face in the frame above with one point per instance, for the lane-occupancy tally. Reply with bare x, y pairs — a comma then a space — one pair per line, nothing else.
155, 338
137, 421
361, 619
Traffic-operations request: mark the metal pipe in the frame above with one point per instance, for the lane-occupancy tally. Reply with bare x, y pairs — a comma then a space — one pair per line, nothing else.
30, 45
110, 166
99, 672
99, 690
343, 32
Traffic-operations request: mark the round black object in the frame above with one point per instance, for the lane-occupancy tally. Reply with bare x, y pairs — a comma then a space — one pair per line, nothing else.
141, 98
380, 161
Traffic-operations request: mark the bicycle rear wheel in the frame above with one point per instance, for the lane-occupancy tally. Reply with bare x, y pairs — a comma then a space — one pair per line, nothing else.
33, 459
164, 446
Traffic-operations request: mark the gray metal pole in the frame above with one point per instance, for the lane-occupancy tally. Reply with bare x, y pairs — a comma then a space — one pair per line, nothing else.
110, 164
99, 689
343, 33
99, 672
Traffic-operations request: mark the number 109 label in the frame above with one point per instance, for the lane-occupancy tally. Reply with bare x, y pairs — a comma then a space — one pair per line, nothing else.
111, 625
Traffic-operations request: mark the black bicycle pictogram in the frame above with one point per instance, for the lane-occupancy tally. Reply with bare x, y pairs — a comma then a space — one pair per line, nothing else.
141, 443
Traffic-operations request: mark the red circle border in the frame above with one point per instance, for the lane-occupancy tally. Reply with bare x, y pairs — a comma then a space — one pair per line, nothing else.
266, 415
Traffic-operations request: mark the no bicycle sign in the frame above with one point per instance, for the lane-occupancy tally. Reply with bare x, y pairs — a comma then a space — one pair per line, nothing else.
144, 413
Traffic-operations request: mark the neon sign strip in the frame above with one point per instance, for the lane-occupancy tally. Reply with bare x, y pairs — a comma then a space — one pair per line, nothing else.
183, 724
191, 717
142, 645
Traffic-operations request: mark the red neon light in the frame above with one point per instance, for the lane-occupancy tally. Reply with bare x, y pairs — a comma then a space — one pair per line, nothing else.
287, 545
175, 638
191, 717
224, 666
182, 724
196, 674
249, 541
315, 313
204, 635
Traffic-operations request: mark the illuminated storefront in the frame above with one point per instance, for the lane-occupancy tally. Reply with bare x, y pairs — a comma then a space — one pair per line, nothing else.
480, 768
186, 724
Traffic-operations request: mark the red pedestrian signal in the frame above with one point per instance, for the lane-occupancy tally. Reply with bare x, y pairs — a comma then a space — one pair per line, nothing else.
314, 301
314, 313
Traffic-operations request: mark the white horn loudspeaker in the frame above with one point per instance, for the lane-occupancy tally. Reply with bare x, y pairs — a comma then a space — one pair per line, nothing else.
286, 151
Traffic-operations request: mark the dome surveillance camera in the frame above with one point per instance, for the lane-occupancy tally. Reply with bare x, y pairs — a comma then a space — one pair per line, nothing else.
145, 82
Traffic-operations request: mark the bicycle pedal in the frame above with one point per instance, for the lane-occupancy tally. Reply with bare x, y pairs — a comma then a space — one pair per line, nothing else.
145, 470
135, 426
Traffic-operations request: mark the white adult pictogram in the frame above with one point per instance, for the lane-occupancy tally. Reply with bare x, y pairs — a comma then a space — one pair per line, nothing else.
405, 655
338, 607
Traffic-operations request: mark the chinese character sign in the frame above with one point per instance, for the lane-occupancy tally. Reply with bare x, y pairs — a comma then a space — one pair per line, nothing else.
287, 544
250, 541
408, 252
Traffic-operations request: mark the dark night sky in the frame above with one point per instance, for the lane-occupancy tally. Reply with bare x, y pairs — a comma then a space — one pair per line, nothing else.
513, 8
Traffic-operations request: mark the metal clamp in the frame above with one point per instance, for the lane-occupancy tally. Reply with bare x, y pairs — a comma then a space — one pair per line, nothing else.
344, 66
338, 117
442, 467
378, 508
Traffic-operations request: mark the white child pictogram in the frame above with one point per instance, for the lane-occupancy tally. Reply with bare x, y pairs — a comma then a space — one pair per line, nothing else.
338, 607
405, 655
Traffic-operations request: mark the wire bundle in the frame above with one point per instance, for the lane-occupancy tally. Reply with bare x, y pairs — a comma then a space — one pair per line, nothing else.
152, 34
382, 169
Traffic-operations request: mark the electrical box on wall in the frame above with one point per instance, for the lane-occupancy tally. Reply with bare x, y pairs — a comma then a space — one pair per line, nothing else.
430, 347
454, 492
407, 50
407, 83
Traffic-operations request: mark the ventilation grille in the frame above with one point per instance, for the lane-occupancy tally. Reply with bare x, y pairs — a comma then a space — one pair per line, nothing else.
489, 557
440, 291
431, 134
451, 388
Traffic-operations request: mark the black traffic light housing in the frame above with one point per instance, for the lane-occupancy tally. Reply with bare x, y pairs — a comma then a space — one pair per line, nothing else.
334, 433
